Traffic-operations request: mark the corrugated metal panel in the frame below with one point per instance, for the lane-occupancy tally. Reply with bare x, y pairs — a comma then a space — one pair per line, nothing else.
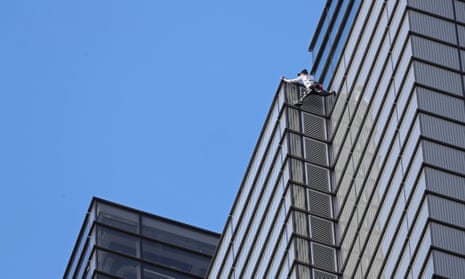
463, 78
442, 130
460, 11
444, 157
461, 33
435, 52
443, 8
438, 78
447, 211
448, 238
317, 177
316, 152
462, 57
324, 257
319, 203
432, 27
448, 266
322, 230
314, 126
445, 183
314, 104
441, 104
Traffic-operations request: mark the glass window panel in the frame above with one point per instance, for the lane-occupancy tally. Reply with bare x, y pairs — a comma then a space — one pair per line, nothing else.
389, 198
341, 43
375, 268
175, 258
344, 187
85, 254
401, 268
351, 261
117, 217
80, 243
344, 216
394, 239
271, 241
375, 43
422, 253
118, 265
255, 163
336, 37
248, 211
419, 224
261, 224
156, 272
175, 234
340, 107
410, 178
117, 241
373, 237
401, 35
99, 275
278, 254
330, 13
343, 162
340, 135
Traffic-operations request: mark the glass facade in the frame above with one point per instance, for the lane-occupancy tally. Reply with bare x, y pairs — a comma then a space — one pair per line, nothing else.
398, 53
369, 183
328, 45
120, 242
282, 222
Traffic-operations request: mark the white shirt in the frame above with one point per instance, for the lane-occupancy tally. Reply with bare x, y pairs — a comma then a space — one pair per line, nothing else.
306, 80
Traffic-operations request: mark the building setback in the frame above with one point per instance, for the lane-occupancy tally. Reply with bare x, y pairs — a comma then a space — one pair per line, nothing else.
120, 242
369, 183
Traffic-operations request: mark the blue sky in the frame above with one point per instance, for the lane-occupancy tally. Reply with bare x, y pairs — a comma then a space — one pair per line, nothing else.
153, 104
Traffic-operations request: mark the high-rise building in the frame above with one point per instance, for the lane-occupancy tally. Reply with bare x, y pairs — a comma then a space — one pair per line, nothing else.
369, 183
120, 242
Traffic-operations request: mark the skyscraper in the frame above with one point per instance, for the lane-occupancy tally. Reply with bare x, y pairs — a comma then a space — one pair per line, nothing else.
120, 242
369, 183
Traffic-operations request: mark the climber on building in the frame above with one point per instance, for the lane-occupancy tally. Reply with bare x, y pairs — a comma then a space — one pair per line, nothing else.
311, 86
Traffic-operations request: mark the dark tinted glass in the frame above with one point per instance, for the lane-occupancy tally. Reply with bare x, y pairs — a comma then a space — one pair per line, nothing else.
117, 241
118, 217
117, 265
174, 258
179, 236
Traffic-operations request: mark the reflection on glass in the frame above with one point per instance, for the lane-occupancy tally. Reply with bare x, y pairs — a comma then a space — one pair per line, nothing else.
117, 241
118, 265
117, 217
174, 258
156, 272
179, 236
337, 38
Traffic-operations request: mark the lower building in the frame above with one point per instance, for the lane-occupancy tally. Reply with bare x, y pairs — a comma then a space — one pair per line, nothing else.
120, 242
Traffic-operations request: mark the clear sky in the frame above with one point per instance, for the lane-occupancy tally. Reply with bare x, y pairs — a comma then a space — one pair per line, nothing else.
153, 104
